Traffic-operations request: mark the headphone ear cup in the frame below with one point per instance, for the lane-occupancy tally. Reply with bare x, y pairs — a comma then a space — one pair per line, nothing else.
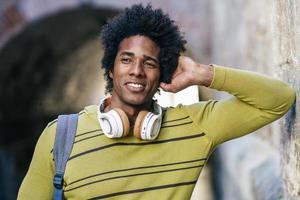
125, 121
138, 123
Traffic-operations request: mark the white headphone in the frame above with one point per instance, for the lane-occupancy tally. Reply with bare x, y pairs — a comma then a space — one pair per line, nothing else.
115, 123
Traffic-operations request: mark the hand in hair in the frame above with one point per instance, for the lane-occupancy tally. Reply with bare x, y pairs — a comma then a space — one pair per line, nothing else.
188, 73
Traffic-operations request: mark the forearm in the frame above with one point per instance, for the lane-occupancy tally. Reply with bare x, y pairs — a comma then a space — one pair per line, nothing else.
258, 100
257, 90
204, 74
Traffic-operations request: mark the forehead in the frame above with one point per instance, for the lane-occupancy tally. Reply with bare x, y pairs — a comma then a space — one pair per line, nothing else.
139, 45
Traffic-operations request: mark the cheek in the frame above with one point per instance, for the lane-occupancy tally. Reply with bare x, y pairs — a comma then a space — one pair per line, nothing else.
156, 80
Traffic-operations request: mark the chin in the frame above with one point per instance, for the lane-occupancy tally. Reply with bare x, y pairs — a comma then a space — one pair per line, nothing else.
136, 101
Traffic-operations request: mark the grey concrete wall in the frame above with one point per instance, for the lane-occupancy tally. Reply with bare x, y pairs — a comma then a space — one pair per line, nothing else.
288, 38
262, 36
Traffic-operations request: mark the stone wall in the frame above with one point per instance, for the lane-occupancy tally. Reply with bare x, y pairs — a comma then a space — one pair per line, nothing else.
262, 36
288, 38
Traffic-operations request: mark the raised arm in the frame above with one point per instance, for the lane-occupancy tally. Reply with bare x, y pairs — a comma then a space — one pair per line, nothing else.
258, 100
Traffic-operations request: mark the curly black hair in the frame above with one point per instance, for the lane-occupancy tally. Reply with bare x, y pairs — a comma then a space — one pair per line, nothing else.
146, 21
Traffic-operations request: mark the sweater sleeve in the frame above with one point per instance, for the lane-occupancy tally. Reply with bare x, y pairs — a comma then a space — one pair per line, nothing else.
257, 100
38, 182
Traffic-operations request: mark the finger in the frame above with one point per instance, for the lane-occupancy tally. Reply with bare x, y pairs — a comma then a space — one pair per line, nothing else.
166, 87
173, 87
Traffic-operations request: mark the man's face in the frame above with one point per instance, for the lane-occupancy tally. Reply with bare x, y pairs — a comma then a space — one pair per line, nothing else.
136, 71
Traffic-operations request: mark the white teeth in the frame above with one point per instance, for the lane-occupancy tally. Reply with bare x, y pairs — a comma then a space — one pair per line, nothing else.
135, 85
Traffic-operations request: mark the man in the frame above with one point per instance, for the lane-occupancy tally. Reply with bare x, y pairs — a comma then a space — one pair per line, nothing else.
142, 53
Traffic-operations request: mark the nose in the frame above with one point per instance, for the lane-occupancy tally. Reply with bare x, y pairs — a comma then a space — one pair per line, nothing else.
137, 69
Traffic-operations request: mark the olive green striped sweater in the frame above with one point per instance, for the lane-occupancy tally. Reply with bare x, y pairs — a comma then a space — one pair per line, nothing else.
167, 168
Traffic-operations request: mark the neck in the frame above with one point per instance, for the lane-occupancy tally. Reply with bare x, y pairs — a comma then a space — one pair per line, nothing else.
131, 111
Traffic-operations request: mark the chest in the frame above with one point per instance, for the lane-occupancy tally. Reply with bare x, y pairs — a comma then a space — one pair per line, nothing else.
132, 169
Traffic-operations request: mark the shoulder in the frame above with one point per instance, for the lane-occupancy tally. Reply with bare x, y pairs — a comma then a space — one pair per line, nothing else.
193, 112
87, 120
190, 110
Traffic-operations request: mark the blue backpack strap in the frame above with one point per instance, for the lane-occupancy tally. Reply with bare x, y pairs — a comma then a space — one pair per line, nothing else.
65, 134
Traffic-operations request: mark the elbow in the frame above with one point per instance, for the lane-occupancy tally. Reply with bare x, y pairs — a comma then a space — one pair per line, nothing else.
289, 100
291, 97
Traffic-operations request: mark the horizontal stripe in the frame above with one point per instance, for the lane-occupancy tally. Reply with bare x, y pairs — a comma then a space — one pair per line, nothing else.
174, 120
136, 144
131, 175
84, 133
143, 190
135, 168
177, 124
98, 135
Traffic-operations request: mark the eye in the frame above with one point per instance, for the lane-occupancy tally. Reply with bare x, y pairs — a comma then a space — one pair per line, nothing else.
150, 64
125, 60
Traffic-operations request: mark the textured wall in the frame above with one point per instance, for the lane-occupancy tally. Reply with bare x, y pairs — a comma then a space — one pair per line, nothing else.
288, 37
262, 36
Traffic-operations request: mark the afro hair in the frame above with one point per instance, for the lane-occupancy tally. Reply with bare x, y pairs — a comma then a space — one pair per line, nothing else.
145, 21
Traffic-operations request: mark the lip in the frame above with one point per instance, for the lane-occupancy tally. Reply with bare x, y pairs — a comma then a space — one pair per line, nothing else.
135, 86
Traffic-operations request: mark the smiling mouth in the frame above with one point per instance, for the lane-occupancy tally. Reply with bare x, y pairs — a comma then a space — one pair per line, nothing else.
135, 87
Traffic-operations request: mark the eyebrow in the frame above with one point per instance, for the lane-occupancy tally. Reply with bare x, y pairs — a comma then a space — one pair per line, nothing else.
127, 53
151, 58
